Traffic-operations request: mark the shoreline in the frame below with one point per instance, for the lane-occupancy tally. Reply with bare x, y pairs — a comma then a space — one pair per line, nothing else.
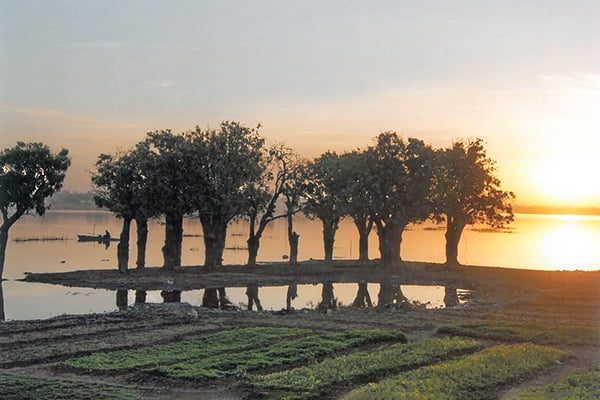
311, 272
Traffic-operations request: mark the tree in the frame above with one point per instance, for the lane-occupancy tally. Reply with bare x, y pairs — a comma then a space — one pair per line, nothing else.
30, 173
323, 197
169, 162
357, 197
230, 163
280, 165
293, 193
121, 185
467, 191
400, 175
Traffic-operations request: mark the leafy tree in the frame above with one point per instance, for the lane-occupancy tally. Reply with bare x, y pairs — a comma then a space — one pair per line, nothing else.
400, 175
121, 185
170, 161
230, 163
30, 173
323, 197
280, 164
468, 192
357, 197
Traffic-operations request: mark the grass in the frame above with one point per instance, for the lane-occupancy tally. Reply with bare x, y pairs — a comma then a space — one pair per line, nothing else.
305, 349
525, 332
204, 346
26, 388
583, 385
468, 378
315, 380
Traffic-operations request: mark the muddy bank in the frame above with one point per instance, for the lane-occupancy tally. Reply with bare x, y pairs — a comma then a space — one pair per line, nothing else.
311, 272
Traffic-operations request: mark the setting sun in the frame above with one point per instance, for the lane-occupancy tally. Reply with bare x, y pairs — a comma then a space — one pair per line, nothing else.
565, 179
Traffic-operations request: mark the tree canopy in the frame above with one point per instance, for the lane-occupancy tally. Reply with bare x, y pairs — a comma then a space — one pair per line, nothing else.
29, 174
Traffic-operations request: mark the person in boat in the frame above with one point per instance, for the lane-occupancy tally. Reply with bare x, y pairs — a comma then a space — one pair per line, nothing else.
106, 236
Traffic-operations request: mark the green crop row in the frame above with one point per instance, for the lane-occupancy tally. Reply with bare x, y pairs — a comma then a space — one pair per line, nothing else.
583, 385
468, 378
305, 349
204, 346
26, 388
525, 332
314, 380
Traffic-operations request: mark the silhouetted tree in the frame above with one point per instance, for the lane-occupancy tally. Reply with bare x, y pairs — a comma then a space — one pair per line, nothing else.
29, 174
120, 185
170, 168
356, 196
231, 163
323, 197
279, 167
400, 175
468, 192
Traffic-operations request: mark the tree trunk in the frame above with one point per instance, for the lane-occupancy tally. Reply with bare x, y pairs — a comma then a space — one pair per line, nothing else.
293, 239
364, 225
173, 241
3, 244
329, 228
123, 246
142, 238
454, 230
215, 232
253, 244
390, 240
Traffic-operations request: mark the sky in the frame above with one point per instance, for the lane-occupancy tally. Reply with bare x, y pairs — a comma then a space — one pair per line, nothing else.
95, 76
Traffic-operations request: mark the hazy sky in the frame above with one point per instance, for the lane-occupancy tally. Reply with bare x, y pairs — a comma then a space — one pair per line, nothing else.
524, 75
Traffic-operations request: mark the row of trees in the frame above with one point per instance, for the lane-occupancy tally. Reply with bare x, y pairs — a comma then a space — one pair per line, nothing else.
219, 175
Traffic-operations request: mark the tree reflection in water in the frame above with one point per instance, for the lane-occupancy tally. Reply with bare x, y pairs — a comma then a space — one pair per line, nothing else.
363, 298
140, 296
252, 293
215, 298
328, 301
121, 299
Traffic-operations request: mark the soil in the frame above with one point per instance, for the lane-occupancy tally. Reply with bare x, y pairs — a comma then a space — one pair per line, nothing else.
552, 298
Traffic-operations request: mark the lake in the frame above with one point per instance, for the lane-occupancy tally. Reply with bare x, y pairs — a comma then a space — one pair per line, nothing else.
533, 241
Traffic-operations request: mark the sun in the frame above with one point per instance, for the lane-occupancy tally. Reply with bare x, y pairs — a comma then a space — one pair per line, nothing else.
566, 179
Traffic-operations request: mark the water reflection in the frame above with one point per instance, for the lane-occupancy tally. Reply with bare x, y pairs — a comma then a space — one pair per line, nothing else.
389, 294
2, 315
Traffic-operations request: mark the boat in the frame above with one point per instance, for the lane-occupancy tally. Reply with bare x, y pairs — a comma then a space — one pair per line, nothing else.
95, 238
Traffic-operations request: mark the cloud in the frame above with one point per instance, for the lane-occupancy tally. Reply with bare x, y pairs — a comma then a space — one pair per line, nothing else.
158, 84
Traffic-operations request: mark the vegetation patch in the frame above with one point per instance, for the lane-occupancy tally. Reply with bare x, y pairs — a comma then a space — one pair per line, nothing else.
281, 354
205, 346
317, 379
469, 378
583, 385
525, 332
22, 387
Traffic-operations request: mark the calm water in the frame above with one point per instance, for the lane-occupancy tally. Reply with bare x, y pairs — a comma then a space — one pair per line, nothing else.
533, 241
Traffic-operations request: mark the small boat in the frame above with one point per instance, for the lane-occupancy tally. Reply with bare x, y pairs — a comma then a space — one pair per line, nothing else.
95, 238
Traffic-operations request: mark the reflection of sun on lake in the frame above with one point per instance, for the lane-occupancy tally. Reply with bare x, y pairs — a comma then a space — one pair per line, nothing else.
571, 244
